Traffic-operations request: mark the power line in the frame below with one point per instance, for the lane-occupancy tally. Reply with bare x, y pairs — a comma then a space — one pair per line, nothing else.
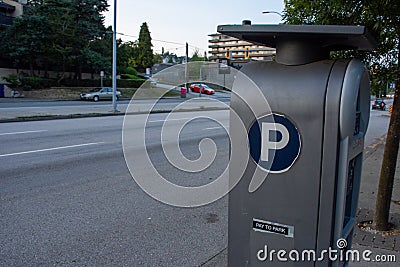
156, 40
168, 42
163, 41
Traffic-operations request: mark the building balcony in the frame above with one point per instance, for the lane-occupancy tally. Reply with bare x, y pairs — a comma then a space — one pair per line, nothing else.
223, 40
214, 52
6, 21
214, 46
6, 7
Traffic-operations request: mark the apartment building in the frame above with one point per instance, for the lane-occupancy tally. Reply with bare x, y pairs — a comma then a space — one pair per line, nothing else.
239, 52
10, 9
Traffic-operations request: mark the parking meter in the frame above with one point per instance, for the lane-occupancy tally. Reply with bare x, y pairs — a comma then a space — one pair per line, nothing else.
298, 195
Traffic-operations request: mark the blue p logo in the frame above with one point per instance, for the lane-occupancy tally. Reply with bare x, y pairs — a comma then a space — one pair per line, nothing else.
274, 143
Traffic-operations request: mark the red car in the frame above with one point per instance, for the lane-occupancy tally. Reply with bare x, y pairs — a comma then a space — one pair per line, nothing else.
205, 89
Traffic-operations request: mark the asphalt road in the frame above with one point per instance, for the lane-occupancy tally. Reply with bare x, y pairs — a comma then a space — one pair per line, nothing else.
67, 197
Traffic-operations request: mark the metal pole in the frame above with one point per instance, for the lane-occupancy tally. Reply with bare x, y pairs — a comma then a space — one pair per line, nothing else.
224, 81
114, 67
186, 67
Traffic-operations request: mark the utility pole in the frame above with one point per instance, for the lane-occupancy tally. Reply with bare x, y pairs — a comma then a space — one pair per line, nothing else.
114, 67
186, 67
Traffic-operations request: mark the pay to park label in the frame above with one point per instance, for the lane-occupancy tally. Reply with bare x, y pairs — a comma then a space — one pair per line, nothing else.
274, 228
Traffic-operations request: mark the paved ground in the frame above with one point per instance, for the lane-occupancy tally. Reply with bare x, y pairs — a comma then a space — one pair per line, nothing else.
67, 197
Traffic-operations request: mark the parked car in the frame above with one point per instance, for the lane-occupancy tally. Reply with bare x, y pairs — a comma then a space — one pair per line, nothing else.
99, 93
205, 89
379, 104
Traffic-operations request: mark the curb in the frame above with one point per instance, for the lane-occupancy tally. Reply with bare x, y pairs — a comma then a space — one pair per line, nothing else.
90, 115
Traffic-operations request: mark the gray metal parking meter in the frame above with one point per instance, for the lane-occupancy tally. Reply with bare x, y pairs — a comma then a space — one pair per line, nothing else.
296, 202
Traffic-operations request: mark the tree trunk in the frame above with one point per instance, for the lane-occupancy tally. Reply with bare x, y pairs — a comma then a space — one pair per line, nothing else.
31, 69
46, 69
384, 196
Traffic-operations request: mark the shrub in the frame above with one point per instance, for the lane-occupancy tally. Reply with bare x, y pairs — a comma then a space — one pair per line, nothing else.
131, 71
13, 80
36, 83
128, 76
82, 83
136, 83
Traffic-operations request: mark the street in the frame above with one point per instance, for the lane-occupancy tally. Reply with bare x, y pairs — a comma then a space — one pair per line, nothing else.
67, 197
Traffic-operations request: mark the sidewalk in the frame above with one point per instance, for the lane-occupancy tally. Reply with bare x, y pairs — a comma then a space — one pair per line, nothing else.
377, 244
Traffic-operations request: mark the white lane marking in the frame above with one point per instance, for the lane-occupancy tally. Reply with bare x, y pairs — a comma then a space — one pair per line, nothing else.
49, 149
212, 128
170, 120
25, 132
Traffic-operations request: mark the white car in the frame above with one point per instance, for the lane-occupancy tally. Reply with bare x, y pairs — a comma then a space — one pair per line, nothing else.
99, 93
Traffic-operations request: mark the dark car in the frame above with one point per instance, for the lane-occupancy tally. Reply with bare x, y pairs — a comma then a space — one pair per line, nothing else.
379, 104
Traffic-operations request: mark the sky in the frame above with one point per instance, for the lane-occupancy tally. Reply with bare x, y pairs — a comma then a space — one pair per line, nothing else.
172, 23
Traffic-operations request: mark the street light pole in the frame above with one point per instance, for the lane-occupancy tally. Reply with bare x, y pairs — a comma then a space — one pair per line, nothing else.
272, 12
114, 67
186, 67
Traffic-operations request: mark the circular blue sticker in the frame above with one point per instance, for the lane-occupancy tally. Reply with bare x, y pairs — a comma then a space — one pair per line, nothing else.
274, 143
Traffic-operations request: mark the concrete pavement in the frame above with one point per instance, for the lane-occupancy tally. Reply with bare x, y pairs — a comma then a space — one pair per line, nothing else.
67, 197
